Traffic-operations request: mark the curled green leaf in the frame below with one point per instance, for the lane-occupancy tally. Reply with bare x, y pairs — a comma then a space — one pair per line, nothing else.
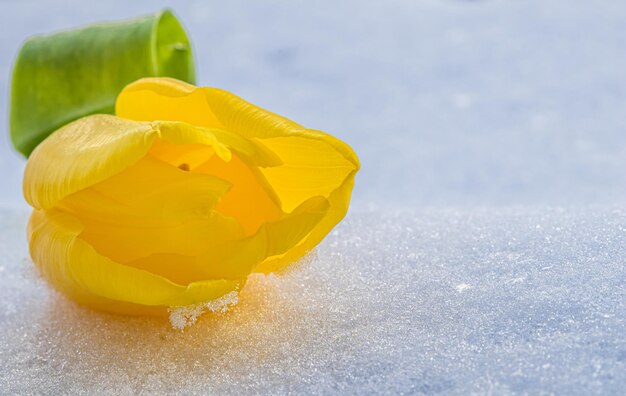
61, 77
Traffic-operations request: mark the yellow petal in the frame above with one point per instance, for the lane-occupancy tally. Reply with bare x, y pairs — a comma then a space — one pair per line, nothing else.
149, 193
74, 267
250, 200
236, 259
312, 163
167, 99
338, 204
83, 153
94, 148
151, 99
239, 258
310, 167
152, 207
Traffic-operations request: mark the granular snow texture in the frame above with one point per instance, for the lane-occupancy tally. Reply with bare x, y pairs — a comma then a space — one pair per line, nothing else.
516, 300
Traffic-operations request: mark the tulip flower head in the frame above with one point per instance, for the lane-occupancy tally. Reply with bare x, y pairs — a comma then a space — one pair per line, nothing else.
177, 199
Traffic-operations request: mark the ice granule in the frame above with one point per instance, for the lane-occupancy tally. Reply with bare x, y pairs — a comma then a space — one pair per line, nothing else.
461, 287
181, 317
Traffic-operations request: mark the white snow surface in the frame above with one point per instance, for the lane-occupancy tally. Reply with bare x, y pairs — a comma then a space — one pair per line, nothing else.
379, 309
485, 249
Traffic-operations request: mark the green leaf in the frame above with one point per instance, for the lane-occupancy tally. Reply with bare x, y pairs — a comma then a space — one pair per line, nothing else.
64, 76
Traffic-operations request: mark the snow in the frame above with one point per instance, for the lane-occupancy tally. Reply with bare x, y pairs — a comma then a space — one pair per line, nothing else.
182, 317
385, 306
485, 250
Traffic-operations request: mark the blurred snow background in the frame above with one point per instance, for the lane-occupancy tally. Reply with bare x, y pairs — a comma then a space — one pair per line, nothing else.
446, 102
484, 252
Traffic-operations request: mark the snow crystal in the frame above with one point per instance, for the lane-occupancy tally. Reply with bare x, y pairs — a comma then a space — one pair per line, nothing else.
181, 317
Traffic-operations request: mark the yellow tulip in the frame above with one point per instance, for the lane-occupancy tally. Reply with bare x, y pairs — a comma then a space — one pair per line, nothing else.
179, 198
